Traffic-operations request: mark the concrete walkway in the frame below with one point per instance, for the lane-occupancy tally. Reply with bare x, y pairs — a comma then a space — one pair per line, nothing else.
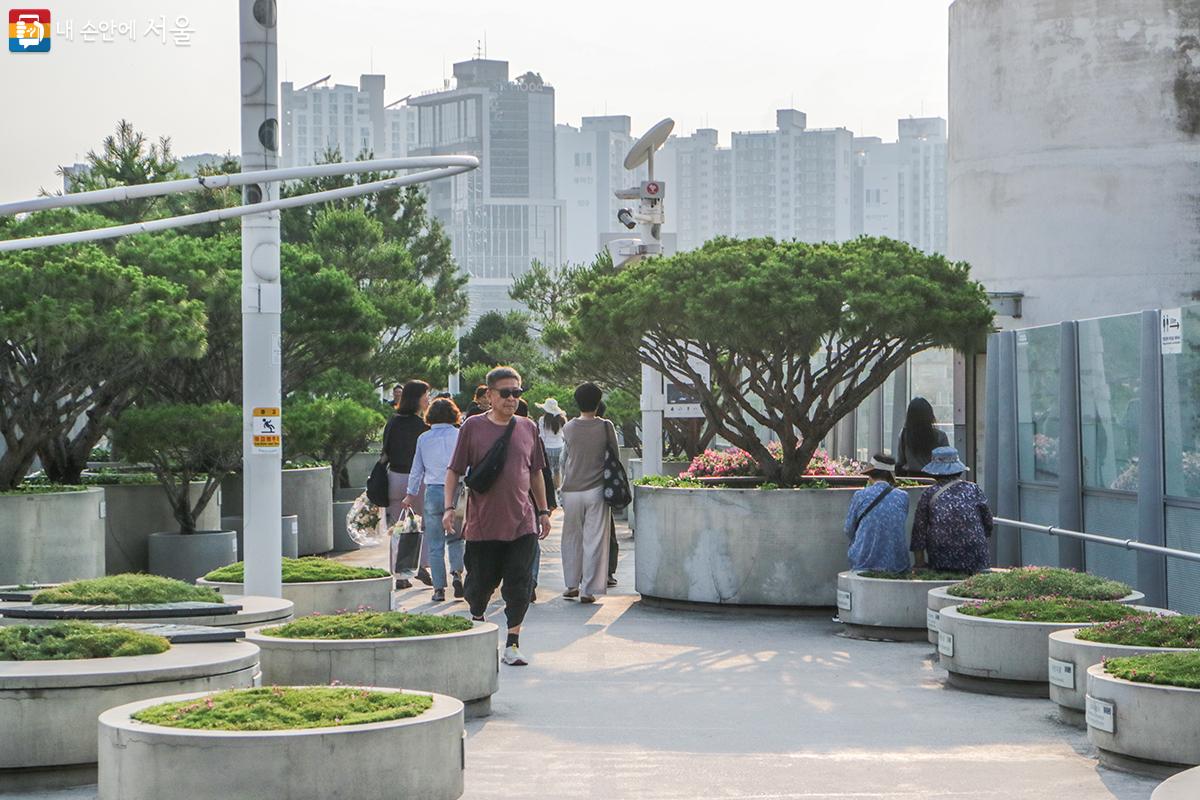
627, 702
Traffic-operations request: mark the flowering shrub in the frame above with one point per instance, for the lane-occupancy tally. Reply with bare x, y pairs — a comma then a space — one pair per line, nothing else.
736, 462
1045, 452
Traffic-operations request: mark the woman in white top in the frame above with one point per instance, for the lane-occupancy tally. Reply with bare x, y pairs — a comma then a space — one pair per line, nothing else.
550, 426
434, 450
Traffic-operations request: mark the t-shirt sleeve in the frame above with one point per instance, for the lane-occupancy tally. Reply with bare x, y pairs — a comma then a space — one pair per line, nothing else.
462, 450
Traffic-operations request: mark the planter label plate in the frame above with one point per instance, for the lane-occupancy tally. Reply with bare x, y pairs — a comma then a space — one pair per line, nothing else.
946, 644
103, 509
932, 618
844, 600
1100, 715
1062, 673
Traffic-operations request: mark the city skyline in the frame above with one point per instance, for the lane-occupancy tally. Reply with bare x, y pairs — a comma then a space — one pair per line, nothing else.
886, 64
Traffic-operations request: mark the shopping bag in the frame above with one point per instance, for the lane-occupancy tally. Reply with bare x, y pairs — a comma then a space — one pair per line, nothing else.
407, 535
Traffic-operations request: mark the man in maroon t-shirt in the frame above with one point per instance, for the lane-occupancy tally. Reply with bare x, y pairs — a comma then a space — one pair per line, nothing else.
502, 526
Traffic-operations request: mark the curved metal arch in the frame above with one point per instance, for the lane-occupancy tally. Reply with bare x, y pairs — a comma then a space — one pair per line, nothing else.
433, 167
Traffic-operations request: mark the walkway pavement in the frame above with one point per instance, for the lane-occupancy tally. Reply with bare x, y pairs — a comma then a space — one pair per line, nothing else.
624, 701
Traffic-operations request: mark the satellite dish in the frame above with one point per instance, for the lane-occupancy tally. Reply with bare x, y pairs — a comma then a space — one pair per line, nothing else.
651, 140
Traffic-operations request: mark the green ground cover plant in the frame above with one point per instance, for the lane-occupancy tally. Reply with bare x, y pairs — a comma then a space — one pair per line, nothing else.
665, 482
281, 709
1164, 669
915, 575
62, 641
126, 589
1028, 582
1151, 631
43, 488
368, 625
309, 569
1051, 609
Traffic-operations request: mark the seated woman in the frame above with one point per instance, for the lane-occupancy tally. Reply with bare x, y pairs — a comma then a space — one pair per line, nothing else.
877, 519
953, 520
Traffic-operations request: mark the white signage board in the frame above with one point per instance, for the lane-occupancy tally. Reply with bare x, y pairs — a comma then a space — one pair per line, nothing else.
682, 401
946, 644
1172, 331
844, 600
1062, 673
1100, 715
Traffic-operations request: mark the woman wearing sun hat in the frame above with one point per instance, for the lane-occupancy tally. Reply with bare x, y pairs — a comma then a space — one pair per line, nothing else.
953, 520
877, 520
550, 427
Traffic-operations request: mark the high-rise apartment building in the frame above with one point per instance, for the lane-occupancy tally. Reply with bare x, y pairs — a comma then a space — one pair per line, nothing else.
700, 188
350, 119
900, 187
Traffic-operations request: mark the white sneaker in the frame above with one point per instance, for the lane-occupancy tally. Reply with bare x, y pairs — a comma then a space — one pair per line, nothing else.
512, 656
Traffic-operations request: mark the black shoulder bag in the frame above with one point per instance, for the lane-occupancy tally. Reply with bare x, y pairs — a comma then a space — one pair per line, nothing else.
617, 492
863, 514
482, 475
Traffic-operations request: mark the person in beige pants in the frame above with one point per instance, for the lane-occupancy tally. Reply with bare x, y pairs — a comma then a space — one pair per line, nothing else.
586, 515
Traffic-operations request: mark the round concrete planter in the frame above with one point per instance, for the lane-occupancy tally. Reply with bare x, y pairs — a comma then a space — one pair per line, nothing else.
781, 547
461, 665
307, 494
134, 511
341, 539
1154, 728
420, 758
941, 598
359, 467
1071, 658
188, 556
997, 656
1184, 786
254, 612
289, 531
347, 495
637, 470
874, 608
325, 597
58, 536
48, 709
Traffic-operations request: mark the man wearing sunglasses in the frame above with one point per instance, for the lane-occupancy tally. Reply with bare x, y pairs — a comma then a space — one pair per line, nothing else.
503, 525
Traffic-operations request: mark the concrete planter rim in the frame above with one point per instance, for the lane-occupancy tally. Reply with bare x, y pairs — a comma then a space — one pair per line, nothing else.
856, 574
1070, 638
1128, 599
953, 612
166, 534
307, 469
745, 490
207, 582
1097, 671
477, 628
121, 717
171, 664
33, 495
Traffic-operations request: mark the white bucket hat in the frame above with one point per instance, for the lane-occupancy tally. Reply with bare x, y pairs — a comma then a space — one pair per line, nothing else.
550, 406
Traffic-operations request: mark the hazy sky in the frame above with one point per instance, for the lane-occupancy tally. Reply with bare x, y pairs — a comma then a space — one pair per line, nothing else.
855, 63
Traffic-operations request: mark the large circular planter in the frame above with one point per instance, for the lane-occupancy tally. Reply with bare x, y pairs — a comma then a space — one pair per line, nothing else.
52, 537
1184, 786
637, 470
997, 656
289, 532
1069, 660
48, 709
306, 493
1142, 726
420, 758
462, 665
341, 538
782, 547
941, 598
186, 557
134, 511
874, 608
325, 597
252, 612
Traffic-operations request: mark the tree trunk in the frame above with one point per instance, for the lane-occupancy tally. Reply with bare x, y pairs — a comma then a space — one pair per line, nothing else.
60, 463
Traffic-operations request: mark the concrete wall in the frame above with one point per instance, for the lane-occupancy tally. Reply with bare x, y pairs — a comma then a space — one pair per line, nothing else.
1073, 152
50, 538
135, 512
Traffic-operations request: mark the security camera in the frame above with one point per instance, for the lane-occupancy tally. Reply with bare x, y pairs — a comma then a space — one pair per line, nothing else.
625, 217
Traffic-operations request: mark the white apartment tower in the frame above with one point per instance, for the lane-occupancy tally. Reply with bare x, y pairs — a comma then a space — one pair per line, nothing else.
900, 187
351, 119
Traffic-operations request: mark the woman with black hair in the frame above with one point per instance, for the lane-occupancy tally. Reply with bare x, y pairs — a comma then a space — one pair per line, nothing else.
399, 446
550, 427
918, 439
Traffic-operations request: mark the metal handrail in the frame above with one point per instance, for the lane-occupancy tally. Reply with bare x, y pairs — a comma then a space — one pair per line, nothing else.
1128, 544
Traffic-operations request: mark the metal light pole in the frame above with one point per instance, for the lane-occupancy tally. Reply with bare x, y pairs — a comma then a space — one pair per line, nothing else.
262, 299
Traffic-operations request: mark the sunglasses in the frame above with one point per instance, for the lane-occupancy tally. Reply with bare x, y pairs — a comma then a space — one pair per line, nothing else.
507, 393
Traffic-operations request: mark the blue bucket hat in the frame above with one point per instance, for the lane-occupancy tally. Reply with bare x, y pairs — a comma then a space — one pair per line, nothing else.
945, 462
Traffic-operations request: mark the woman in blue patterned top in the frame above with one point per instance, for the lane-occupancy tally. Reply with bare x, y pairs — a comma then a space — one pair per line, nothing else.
953, 520
877, 519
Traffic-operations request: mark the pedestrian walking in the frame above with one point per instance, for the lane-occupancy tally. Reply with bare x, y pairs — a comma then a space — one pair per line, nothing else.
918, 439
399, 446
550, 427
877, 521
434, 449
586, 515
479, 404
499, 454
953, 521
551, 502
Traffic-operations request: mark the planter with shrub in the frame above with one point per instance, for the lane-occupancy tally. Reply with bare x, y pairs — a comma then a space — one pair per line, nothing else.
56, 679
1002, 646
1142, 710
1073, 652
889, 605
289, 534
1024, 582
316, 585
447, 655
51, 533
307, 493
382, 742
